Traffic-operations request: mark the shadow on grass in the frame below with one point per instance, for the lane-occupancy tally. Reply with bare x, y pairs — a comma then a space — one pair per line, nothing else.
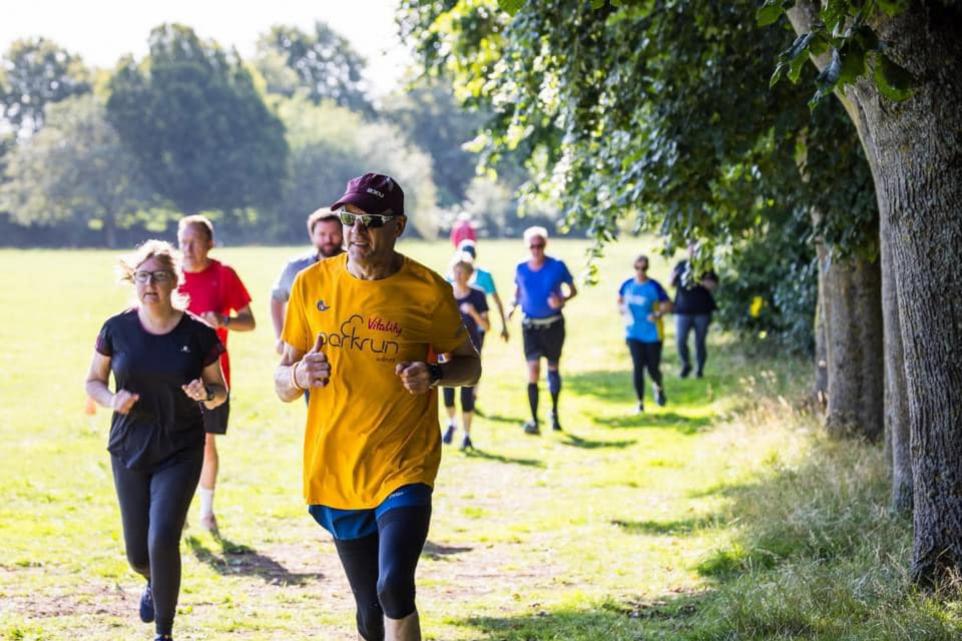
673, 420
679, 526
614, 386
588, 444
611, 621
435, 551
500, 418
500, 458
241, 559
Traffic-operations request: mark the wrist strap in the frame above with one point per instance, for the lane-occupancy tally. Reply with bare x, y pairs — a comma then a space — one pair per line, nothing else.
294, 376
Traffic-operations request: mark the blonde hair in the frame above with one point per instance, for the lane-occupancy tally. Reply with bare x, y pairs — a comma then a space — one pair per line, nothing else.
164, 253
466, 265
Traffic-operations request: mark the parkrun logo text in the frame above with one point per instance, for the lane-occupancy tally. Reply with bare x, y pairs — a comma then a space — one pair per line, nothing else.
347, 338
382, 325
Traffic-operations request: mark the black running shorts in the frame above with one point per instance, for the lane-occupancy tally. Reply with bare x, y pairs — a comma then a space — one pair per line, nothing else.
543, 341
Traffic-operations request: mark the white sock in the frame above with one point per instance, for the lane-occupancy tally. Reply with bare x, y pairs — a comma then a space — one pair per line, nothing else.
206, 501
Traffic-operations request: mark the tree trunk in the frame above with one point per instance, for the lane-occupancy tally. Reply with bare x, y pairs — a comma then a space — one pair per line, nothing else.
896, 401
110, 231
853, 329
915, 151
821, 337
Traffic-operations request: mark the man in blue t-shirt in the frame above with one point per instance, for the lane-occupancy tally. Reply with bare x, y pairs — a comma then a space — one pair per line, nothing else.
642, 302
542, 287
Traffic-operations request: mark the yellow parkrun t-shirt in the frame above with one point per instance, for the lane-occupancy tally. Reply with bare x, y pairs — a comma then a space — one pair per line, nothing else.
366, 435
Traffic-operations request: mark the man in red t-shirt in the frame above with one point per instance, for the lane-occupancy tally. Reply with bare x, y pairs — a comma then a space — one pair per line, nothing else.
215, 291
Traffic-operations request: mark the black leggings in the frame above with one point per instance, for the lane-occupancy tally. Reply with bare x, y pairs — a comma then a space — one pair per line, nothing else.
153, 507
380, 567
467, 398
645, 356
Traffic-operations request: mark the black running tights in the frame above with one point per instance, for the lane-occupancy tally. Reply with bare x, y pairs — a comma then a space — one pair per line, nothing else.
645, 356
380, 567
153, 507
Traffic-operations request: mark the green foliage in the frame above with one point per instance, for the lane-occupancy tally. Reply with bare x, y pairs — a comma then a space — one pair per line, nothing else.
657, 116
75, 172
432, 120
770, 288
638, 111
192, 117
843, 31
323, 64
34, 73
329, 146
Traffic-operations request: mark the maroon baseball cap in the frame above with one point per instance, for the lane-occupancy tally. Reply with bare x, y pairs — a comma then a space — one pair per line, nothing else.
375, 194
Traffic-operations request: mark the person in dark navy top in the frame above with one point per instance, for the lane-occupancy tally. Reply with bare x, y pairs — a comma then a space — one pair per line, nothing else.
693, 308
543, 286
473, 305
166, 364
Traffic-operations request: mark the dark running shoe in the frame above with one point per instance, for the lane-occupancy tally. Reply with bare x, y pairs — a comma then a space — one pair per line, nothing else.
555, 423
699, 374
147, 605
685, 371
640, 408
531, 427
466, 444
448, 435
163, 637
660, 397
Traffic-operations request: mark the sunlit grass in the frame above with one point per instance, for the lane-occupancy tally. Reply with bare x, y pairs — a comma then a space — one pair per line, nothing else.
723, 515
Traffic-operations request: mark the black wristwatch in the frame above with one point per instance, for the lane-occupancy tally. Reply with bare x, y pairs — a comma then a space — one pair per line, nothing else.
210, 394
435, 372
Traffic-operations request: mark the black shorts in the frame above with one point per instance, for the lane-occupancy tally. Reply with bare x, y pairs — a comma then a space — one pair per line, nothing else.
215, 420
543, 340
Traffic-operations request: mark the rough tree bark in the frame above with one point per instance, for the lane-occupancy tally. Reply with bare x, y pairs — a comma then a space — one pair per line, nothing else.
853, 330
914, 149
821, 338
896, 403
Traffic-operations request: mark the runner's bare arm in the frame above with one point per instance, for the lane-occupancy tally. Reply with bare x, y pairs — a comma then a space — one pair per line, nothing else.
283, 383
278, 307
300, 371
463, 367
243, 321
504, 322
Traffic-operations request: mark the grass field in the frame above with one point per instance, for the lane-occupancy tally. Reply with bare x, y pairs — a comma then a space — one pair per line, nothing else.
723, 515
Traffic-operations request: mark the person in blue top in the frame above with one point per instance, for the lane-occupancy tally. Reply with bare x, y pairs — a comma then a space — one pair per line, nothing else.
543, 286
642, 302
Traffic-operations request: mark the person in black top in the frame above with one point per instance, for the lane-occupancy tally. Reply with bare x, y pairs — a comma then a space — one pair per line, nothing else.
693, 308
165, 363
474, 313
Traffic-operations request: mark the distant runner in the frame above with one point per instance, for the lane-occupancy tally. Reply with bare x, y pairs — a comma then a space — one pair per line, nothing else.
541, 282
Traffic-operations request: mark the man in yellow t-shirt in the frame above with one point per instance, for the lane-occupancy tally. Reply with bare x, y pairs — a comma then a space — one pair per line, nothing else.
363, 332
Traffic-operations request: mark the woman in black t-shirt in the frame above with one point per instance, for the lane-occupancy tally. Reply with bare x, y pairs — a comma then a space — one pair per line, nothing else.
165, 363
474, 314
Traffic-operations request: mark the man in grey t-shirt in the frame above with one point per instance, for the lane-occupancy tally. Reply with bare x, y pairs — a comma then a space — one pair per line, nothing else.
327, 236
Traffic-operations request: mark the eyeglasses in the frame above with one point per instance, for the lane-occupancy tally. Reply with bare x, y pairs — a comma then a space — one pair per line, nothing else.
641, 268
536, 246
159, 276
370, 221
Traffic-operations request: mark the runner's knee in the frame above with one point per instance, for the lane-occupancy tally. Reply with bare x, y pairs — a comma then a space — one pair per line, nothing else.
395, 591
